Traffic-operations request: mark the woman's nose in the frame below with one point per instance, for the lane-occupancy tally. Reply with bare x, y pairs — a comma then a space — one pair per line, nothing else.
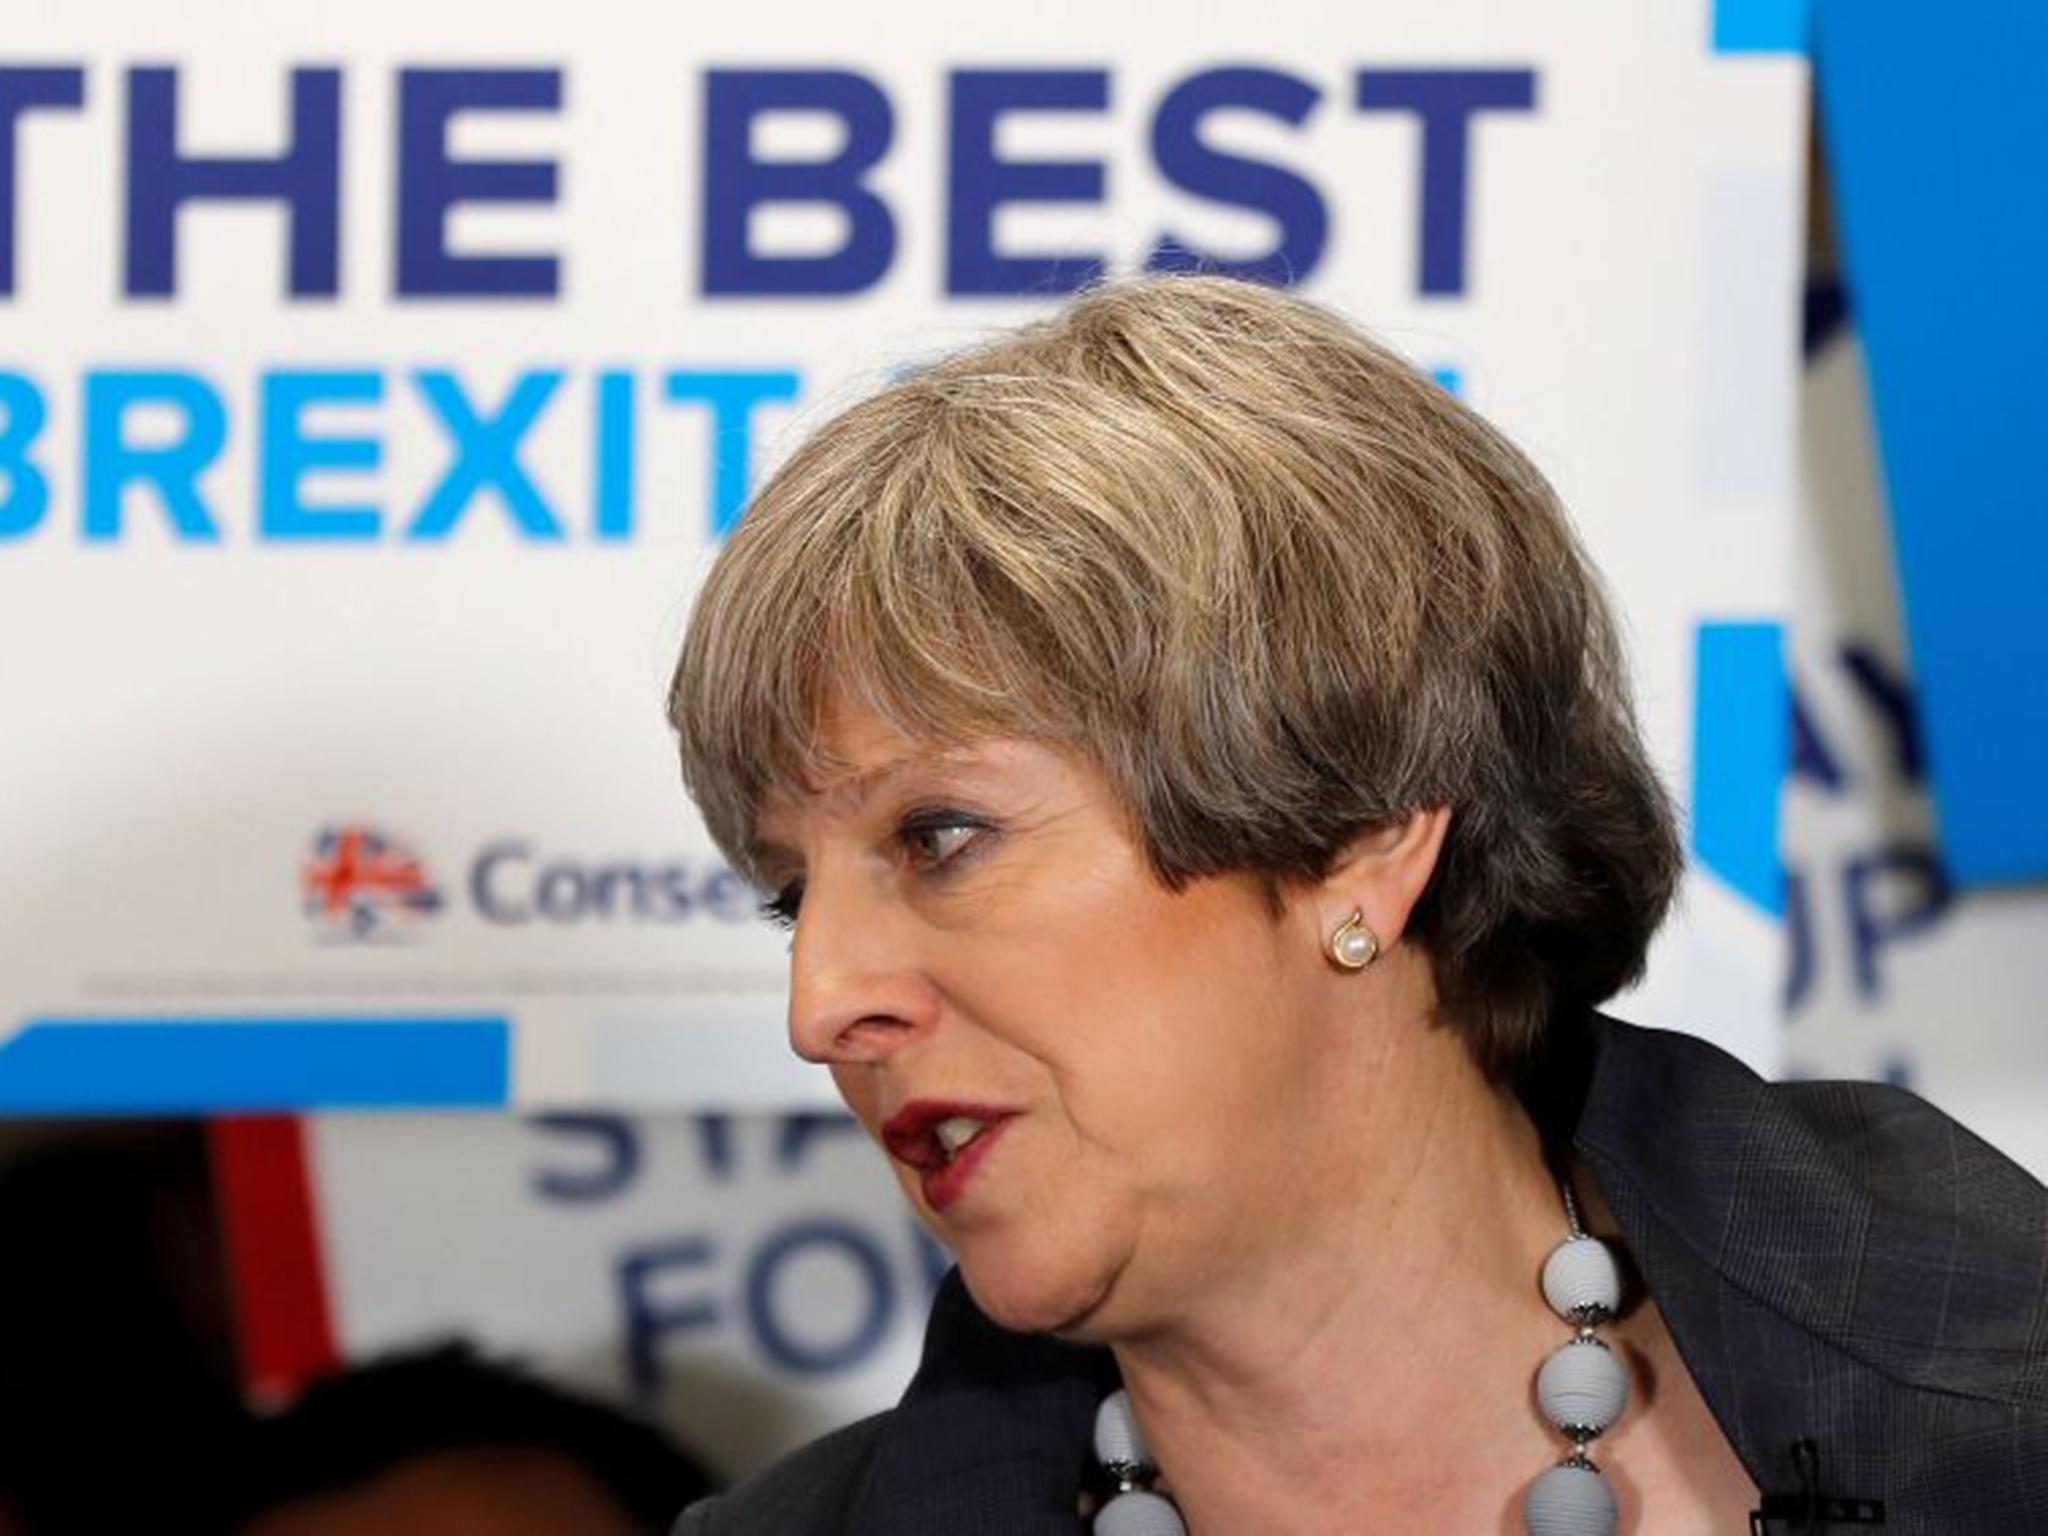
858, 990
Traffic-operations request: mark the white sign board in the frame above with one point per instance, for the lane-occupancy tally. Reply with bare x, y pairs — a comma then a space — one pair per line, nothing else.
752, 1281
376, 381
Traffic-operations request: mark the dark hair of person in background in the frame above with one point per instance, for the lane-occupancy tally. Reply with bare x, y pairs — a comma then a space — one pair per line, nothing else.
446, 1441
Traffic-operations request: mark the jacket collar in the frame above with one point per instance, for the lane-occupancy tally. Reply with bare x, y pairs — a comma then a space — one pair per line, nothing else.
993, 1437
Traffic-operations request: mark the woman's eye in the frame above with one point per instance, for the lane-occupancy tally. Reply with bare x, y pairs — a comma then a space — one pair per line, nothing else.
929, 842
781, 908
933, 842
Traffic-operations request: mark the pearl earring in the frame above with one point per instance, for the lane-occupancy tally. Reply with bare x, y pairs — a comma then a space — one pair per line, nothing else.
1353, 946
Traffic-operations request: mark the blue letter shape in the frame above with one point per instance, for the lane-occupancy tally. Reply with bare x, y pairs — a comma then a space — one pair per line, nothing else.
612, 476
643, 1271
1446, 100
22, 90
28, 488
174, 469
1741, 750
288, 454
732, 398
486, 454
306, 178
429, 183
824, 1234
735, 183
617, 1143
1290, 201
977, 183
1875, 926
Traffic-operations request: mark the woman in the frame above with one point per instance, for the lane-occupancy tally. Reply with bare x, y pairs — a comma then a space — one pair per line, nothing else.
1192, 755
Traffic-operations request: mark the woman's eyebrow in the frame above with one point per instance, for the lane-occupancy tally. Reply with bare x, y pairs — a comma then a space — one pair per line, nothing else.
850, 791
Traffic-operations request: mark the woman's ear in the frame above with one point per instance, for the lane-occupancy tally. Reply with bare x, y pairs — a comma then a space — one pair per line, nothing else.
1383, 872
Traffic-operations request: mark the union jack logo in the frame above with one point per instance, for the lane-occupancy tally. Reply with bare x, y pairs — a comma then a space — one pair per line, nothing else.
361, 884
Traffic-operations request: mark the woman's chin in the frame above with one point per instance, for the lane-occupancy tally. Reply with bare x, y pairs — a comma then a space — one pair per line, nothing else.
1029, 1295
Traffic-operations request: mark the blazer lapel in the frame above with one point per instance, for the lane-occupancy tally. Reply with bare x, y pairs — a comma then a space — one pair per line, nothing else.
993, 1437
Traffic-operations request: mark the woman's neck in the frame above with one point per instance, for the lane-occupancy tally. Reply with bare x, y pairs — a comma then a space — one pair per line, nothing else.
1378, 1361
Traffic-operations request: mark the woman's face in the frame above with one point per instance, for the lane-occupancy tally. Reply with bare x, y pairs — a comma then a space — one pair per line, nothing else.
1092, 1088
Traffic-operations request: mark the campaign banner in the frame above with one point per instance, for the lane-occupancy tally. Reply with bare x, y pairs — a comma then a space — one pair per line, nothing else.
377, 381
748, 1281
1898, 971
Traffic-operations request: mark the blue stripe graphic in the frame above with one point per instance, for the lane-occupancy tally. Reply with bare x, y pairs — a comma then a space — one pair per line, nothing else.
1935, 123
1760, 26
184, 1065
1741, 748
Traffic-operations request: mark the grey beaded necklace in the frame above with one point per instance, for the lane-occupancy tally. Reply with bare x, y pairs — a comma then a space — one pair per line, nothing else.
1582, 1386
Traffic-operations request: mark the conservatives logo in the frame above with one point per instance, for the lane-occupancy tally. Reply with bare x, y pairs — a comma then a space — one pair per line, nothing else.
361, 884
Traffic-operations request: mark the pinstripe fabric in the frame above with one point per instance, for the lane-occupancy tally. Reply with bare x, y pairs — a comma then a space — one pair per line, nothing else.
1837, 1262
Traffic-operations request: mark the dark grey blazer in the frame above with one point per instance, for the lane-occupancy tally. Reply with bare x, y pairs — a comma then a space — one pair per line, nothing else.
1839, 1263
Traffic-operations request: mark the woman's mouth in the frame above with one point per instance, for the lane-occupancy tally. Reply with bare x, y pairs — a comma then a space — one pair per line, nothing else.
945, 1143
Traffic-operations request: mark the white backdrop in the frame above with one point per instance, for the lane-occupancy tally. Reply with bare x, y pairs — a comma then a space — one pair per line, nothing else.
337, 607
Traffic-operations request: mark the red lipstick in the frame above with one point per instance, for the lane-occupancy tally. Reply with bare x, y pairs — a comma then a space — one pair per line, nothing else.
912, 1137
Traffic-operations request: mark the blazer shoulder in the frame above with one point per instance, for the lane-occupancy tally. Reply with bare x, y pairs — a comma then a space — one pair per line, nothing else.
1856, 1210
806, 1493
1950, 1240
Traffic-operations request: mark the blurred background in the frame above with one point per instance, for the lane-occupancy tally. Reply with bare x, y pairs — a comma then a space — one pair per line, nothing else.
396, 1128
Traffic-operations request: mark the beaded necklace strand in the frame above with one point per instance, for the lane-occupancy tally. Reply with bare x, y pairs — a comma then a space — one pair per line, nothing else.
1582, 1387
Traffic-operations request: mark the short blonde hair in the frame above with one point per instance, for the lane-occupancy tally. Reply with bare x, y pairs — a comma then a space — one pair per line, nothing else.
1278, 586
